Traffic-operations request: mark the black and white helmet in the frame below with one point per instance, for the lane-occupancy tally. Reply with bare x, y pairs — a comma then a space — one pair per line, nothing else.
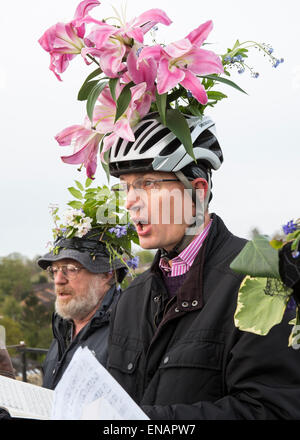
156, 148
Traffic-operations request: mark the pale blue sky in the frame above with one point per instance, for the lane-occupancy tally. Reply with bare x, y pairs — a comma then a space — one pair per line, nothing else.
258, 184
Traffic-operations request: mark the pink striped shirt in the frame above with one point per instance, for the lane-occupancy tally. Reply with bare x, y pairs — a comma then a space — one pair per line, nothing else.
182, 263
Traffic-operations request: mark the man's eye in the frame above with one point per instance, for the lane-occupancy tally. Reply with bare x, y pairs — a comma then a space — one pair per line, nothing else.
72, 269
148, 183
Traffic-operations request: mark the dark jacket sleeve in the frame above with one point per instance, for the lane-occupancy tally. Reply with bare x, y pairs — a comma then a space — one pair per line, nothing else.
262, 379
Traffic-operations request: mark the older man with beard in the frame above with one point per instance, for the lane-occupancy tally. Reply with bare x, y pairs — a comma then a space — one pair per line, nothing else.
86, 287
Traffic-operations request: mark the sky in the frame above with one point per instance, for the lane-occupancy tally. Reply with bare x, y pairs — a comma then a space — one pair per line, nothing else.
258, 183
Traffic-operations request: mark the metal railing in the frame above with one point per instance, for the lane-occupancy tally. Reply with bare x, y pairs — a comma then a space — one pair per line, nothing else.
23, 349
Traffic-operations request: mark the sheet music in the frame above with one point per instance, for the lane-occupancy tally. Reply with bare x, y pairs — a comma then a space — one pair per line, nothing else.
22, 399
85, 381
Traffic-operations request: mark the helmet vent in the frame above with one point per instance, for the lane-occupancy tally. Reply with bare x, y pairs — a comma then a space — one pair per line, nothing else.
171, 147
155, 139
118, 146
139, 141
140, 131
128, 146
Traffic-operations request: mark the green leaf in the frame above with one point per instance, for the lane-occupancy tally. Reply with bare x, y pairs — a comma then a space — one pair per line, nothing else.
294, 339
257, 258
161, 102
112, 87
82, 91
105, 164
276, 244
75, 205
79, 185
177, 123
92, 98
217, 96
86, 90
174, 95
223, 80
123, 100
88, 182
257, 312
92, 75
76, 193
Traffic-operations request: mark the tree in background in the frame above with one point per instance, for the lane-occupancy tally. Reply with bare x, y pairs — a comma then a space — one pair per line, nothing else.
23, 315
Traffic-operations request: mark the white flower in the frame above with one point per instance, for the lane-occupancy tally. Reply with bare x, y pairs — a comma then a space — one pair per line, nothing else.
83, 227
70, 215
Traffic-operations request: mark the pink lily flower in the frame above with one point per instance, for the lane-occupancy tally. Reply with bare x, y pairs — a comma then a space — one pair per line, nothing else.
105, 114
111, 43
86, 138
65, 41
145, 71
182, 61
85, 142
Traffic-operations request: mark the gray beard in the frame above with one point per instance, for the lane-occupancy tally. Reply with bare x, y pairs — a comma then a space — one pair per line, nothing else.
78, 307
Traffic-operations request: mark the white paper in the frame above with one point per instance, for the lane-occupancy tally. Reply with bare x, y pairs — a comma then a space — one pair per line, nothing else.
22, 399
84, 382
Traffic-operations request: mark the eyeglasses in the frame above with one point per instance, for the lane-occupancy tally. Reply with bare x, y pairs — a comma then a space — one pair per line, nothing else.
138, 184
69, 271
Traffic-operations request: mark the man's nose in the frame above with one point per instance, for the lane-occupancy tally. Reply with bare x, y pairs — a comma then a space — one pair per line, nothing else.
132, 198
60, 278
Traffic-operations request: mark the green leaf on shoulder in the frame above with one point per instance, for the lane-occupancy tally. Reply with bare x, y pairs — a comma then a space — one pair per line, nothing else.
256, 311
294, 339
257, 259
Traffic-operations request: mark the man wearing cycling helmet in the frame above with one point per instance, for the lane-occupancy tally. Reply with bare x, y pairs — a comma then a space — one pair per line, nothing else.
173, 343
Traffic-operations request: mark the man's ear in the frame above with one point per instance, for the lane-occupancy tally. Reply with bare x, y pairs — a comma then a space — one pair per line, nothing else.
109, 277
200, 184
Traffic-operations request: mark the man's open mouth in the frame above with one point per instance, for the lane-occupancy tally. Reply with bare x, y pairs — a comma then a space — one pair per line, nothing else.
142, 227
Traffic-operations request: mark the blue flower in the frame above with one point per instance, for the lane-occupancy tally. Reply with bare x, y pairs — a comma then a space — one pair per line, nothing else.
270, 50
291, 305
240, 71
289, 227
227, 59
276, 63
295, 254
119, 231
133, 263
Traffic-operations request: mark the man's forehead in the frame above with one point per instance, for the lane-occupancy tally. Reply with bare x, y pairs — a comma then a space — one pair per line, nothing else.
150, 175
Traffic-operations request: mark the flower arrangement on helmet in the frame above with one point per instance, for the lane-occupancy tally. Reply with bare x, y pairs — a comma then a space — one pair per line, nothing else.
133, 79
100, 213
272, 282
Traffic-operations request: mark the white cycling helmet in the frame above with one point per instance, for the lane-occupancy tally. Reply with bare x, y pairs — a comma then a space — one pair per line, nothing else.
156, 148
